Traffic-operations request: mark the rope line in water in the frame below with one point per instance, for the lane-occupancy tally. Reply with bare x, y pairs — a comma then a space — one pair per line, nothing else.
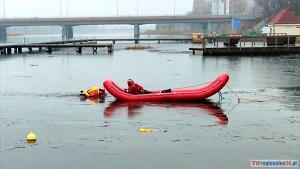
239, 99
234, 93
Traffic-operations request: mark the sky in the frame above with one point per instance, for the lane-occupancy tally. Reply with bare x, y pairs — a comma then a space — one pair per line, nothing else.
92, 8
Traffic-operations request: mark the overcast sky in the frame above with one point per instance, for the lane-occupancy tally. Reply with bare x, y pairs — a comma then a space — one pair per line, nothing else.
84, 8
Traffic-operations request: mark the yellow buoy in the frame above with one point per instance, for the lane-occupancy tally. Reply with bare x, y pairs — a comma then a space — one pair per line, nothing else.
31, 137
146, 130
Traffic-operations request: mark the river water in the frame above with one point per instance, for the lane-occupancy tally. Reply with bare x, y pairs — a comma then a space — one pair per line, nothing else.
39, 93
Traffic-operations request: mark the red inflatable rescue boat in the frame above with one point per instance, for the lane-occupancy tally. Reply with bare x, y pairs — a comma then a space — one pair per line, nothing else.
176, 94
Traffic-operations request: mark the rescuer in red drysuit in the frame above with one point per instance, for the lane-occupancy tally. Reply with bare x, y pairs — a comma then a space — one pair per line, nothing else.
134, 88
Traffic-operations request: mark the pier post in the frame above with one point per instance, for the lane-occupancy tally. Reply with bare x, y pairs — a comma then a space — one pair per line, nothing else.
49, 50
228, 46
67, 32
15, 50
8, 51
110, 48
30, 49
79, 50
276, 42
3, 34
94, 50
288, 45
240, 43
19, 49
2, 49
136, 32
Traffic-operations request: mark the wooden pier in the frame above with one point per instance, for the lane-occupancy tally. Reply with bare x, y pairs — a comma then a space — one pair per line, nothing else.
249, 50
18, 48
259, 45
78, 44
114, 40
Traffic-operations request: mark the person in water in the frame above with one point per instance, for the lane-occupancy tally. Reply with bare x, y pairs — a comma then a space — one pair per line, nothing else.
134, 88
94, 92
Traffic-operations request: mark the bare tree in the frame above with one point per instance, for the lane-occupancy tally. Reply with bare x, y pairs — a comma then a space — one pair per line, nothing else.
269, 8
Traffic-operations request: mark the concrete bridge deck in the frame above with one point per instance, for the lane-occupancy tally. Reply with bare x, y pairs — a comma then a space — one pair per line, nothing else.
68, 24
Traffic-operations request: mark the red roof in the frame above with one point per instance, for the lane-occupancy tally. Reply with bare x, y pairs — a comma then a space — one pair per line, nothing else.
284, 16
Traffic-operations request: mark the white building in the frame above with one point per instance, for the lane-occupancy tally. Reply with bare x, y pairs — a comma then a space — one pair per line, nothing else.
220, 7
285, 22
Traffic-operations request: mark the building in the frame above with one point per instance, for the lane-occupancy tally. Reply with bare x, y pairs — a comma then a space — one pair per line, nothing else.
222, 7
198, 7
285, 22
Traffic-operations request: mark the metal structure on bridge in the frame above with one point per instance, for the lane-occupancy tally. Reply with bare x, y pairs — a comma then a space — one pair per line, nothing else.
67, 24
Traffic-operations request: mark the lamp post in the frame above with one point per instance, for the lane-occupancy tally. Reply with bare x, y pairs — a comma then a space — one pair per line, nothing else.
3, 10
174, 7
137, 7
67, 9
60, 8
117, 7
0, 9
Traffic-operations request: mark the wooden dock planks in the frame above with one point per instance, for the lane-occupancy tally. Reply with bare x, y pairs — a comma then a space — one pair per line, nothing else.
18, 48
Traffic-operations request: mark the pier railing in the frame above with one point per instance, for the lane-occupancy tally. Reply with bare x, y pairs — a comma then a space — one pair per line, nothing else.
18, 48
79, 44
268, 44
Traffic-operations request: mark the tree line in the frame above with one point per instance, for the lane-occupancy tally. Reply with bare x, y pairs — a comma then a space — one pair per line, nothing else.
269, 8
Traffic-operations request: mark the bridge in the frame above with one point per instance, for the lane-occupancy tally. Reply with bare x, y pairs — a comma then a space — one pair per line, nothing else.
67, 24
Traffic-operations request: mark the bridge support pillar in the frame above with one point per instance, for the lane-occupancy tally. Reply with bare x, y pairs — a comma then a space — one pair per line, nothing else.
136, 32
3, 34
208, 27
67, 32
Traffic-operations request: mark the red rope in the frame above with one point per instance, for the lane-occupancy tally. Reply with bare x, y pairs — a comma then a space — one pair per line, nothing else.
239, 99
192, 86
234, 94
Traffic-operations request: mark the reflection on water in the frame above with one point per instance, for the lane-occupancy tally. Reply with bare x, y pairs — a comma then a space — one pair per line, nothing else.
135, 108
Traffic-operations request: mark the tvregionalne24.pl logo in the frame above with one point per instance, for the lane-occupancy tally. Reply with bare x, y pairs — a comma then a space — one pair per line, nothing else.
274, 163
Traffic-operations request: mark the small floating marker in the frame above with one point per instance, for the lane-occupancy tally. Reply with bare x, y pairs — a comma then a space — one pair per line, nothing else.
31, 137
146, 130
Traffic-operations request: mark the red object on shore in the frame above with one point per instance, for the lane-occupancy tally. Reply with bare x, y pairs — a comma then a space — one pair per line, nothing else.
176, 94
